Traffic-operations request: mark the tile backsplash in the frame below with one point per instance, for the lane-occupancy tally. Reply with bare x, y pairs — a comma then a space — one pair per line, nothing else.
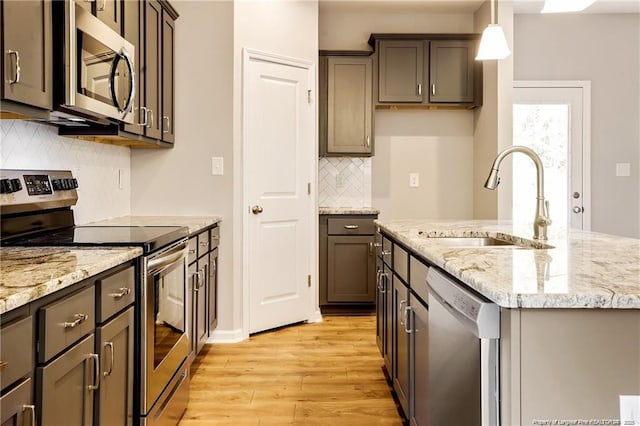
103, 171
344, 182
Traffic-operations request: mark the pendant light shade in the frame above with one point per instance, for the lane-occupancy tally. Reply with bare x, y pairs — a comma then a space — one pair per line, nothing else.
493, 44
561, 6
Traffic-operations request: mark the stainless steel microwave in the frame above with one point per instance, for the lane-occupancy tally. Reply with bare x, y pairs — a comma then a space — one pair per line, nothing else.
94, 76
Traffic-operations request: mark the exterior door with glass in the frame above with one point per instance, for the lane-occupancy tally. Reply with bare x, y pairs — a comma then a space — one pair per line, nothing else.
552, 118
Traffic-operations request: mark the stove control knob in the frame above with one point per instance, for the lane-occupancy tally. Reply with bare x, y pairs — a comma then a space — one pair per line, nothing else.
5, 186
65, 184
56, 184
17, 186
74, 183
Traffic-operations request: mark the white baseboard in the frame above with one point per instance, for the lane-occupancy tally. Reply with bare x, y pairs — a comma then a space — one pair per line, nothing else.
316, 317
226, 336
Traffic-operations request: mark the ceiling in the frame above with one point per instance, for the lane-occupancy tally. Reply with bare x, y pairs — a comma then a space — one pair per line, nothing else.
469, 6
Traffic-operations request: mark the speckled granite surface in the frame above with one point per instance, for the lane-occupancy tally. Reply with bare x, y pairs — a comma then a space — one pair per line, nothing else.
194, 223
348, 210
28, 273
583, 270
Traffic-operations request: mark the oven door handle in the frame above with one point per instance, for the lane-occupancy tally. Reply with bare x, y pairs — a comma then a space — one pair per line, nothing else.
164, 261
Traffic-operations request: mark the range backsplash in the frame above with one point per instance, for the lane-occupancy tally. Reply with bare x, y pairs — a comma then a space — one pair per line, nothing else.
344, 182
103, 171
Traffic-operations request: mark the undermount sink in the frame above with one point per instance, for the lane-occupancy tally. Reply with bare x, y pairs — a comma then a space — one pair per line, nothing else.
473, 242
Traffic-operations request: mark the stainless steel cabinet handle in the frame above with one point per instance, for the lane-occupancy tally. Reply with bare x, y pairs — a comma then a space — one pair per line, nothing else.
378, 280
16, 79
111, 358
96, 372
204, 243
385, 281
376, 245
386, 252
419, 89
78, 319
577, 209
168, 121
256, 209
204, 270
407, 328
151, 120
368, 141
192, 251
144, 111
403, 318
124, 291
103, 6
351, 227
433, 89
196, 281
370, 249
32, 415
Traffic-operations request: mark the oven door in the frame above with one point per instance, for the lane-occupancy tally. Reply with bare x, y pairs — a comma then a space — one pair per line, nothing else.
100, 73
164, 313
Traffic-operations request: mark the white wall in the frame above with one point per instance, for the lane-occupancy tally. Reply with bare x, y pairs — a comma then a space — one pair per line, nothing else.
604, 49
436, 144
179, 181
28, 145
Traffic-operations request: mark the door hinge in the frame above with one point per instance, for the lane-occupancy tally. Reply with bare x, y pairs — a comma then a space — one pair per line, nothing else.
309, 96
309, 188
308, 280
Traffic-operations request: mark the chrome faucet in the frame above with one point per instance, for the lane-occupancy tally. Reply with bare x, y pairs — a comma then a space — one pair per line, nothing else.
541, 220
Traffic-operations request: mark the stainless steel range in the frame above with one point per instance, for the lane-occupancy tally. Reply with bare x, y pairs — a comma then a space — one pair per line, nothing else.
35, 208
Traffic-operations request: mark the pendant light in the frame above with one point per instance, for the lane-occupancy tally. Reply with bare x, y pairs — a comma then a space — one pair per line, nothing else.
560, 6
493, 44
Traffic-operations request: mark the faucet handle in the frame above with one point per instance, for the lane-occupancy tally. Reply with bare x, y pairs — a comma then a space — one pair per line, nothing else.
546, 212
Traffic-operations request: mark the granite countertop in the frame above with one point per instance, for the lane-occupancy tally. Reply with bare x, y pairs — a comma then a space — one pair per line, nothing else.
29, 273
348, 210
582, 270
194, 223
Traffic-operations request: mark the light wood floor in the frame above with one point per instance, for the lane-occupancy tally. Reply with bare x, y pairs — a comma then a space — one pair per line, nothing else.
308, 374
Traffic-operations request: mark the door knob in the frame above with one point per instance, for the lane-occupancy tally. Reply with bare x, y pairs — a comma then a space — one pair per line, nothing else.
256, 209
577, 209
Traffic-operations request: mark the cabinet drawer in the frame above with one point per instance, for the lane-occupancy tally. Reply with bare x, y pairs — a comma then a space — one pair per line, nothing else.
16, 404
193, 249
401, 262
214, 239
16, 351
354, 226
418, 278
64, 322
115, 293
387, 250
203, 243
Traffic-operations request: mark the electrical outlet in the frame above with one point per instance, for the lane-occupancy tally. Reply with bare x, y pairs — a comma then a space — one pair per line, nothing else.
217, 166
120, 179
414, 180
339, 180
623, 169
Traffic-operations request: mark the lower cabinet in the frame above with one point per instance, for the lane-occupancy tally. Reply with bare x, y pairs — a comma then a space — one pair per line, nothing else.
200, 299
212, 292
389, 341
16, 406
67, 386
401, 357
114, 399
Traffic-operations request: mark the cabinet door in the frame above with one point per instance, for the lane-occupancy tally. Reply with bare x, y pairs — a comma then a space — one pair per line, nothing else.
451, 71
192, 296
26, 33
401, 348
380, 304
16, 406
201, 303
349, 105
134, 33
389, 321
152, 68
212, 305
64, 393
110, 12
419, 363
114, 400
400, 71
351, 273
168, 116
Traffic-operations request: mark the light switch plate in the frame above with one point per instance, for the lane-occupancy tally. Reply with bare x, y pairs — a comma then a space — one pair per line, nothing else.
623, 169
414, 180
217, 166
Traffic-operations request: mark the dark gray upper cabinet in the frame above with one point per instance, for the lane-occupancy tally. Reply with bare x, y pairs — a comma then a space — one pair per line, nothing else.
451, 71
346, 104
153, 69
133, 31
427, 69
168, 80
26, 56
110, 12
400, 71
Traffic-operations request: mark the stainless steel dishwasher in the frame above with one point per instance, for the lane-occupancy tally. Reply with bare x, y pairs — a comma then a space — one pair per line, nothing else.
464, 332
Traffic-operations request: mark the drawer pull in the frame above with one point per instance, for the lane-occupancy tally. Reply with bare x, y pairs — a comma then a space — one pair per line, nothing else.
216, 238
111, 358
3, 365
79, 319
192, 251
204, 243
376, 245
386, 252
351, 227
96, 372
32, 413
124, 291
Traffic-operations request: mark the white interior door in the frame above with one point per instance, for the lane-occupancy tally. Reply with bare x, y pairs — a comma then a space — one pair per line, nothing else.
552, 118
279, 144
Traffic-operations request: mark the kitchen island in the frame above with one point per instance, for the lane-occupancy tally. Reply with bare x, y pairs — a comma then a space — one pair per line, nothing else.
569, 313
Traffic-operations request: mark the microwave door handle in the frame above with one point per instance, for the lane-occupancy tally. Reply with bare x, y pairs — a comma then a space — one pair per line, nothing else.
132, 82
112, 80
